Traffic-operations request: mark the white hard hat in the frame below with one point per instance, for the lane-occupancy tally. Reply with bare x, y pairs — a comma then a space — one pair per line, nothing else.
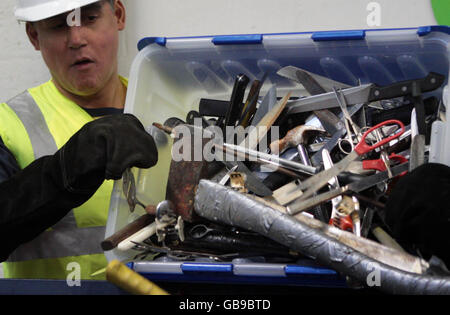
36, 10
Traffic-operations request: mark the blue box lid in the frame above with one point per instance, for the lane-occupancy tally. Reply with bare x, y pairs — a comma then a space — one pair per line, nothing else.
381, 56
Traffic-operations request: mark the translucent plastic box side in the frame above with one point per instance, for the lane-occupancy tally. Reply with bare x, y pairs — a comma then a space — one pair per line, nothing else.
169, 80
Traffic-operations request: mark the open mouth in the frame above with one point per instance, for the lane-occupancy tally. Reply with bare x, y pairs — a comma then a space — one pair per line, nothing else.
82, 62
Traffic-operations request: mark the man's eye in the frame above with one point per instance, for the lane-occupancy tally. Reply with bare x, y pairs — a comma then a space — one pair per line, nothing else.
59, 26
92, 17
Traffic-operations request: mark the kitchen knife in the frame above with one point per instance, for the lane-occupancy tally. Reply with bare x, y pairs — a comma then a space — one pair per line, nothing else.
366, 93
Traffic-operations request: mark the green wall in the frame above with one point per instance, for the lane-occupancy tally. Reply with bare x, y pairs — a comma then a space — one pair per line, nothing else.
441, 10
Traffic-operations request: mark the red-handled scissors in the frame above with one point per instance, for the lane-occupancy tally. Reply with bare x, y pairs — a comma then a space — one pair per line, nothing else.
379, 165
314, 183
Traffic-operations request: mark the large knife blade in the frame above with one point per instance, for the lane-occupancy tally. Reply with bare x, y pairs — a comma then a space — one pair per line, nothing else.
330, 122
367, 93
301, 75
354, 95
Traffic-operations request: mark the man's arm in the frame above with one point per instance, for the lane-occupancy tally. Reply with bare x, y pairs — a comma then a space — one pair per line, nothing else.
40, 195
8, 164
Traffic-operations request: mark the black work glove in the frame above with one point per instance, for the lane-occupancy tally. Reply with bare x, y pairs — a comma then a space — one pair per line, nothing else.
418, 211
104, 149
43, 193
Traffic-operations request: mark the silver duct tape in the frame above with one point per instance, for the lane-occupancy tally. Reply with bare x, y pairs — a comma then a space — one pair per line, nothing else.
221, 204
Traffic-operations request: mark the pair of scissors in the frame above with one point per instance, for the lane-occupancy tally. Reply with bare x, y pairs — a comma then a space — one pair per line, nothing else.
314, 183
347, 117
344, 222
368, 166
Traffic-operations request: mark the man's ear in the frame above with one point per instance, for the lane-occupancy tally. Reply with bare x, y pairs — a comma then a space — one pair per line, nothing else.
32, 35
120, 13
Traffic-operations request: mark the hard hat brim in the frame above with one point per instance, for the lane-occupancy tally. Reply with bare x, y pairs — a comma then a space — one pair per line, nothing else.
48, 9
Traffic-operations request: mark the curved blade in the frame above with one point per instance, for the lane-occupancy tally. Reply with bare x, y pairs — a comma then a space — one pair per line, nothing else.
311, 81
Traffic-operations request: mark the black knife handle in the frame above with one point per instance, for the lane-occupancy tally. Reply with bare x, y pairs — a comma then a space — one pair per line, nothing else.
213, 108
431, 82
237, 97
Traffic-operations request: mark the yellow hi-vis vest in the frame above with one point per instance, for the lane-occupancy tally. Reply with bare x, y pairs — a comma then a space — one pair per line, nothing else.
34, 124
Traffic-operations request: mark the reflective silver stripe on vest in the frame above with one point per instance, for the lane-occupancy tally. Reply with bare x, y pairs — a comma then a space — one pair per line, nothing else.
34, 122
65, 238
61, 243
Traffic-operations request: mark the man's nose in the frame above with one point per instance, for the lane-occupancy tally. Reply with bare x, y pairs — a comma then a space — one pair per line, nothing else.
76, 37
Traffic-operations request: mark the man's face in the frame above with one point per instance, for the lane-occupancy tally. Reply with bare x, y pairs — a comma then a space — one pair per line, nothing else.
81, 59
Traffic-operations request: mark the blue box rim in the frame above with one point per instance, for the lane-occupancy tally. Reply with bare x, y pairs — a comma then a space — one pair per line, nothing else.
249, 39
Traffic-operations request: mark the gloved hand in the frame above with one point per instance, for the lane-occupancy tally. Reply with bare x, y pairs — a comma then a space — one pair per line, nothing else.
418, 211
43, 193
104, 149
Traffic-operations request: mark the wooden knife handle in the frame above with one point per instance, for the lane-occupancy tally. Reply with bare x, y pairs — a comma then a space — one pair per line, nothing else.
135, 226
278, 146
292, 138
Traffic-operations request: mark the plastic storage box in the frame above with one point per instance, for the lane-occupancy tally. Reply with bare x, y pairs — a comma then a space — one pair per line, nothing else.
170, 75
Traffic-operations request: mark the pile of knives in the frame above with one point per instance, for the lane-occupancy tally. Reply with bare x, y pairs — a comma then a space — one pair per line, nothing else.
341, 151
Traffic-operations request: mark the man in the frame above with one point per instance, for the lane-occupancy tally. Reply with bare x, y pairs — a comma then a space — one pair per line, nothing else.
82, 59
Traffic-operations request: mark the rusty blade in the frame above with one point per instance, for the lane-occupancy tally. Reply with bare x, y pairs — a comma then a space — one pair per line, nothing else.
184, 175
